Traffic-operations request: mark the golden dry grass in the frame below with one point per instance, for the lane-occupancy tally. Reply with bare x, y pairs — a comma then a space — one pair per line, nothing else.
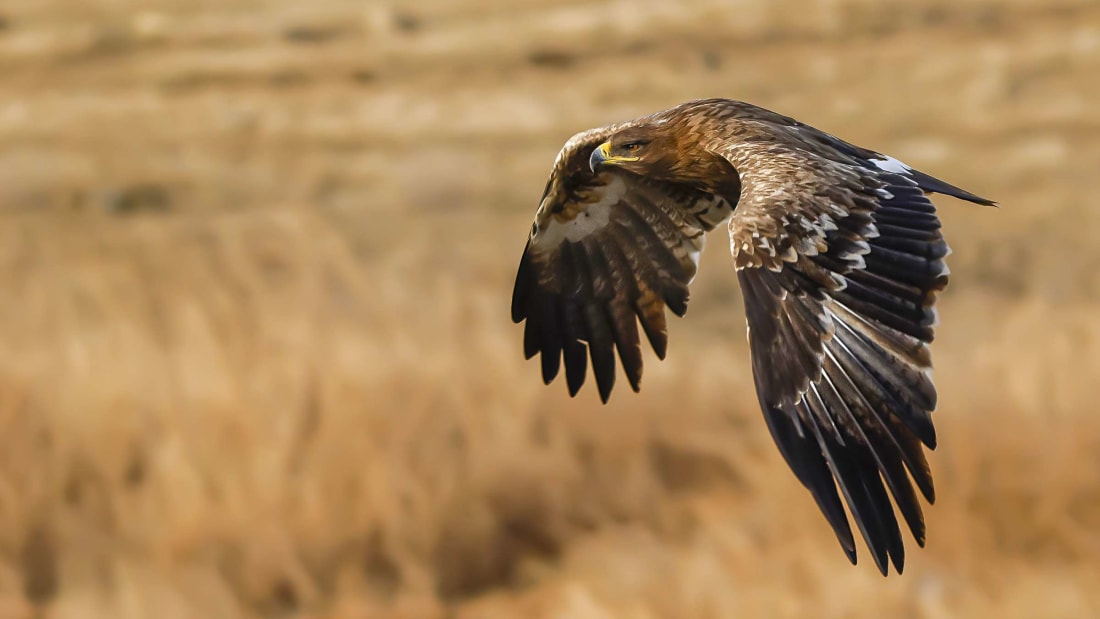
255, 357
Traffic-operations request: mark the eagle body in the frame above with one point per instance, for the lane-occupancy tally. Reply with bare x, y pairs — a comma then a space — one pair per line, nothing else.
839, 255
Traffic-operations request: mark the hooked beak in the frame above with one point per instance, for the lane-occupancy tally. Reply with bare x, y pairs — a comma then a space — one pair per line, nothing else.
602, 154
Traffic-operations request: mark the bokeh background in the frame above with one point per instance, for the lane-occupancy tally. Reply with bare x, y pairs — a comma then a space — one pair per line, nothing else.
255, 352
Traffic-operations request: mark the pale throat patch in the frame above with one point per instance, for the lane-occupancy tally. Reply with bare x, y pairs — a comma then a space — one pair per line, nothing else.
592, 218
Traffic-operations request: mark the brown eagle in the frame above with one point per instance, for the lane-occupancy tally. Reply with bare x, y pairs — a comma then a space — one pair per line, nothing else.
839, 254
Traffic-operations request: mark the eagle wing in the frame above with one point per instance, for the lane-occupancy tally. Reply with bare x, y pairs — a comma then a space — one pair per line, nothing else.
839, 264
607, 250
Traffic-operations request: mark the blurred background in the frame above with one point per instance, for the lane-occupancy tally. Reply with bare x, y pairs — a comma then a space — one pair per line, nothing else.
255, 353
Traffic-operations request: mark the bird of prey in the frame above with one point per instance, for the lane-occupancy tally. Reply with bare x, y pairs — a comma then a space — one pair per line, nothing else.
839, 255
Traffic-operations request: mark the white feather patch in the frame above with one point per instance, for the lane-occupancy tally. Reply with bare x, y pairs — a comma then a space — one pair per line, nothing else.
694, 255
859, 248
890, 164
592, 219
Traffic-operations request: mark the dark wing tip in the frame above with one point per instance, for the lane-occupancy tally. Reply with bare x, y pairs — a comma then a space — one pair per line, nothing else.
576, 366
551, 363
927, 434
850, 552
603, 365
521, 291
932, 184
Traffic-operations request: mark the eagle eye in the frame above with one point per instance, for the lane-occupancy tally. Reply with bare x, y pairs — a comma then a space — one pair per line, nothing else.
632, 147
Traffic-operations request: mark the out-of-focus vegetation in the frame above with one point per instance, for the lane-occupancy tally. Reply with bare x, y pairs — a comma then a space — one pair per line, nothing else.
255, 352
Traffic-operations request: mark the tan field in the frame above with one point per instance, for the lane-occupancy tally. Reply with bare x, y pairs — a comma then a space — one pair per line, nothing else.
255, 351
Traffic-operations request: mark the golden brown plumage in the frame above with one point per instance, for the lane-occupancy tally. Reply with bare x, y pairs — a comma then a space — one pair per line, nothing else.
839, 255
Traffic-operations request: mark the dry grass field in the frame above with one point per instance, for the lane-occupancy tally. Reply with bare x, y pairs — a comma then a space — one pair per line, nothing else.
255, 353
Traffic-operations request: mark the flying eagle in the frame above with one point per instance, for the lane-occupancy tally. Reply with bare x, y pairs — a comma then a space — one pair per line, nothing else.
839, 254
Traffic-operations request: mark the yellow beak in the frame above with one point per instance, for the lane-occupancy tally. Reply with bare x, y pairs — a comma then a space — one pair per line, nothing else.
602, 154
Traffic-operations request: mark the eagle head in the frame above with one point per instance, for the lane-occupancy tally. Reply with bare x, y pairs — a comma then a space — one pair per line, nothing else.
638, 148
657, 150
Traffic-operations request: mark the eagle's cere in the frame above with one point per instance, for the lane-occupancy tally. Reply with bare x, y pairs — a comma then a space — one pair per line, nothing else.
839, 254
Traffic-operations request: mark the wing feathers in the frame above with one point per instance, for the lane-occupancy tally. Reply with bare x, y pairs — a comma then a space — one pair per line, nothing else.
839, 340
800, 449
908, 318
927, 249
525, 279
550, 342
594, 287
906, 268
851, 478
910, 401
621, 313
618, 252
574, 350
647, 305
889, 457
907, 219
600, 349
673, 289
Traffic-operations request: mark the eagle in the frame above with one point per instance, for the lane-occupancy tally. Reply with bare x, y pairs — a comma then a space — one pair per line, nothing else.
839, 256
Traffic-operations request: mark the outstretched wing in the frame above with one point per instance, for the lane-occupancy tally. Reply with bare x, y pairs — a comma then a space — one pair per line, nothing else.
840, 264
606, 251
